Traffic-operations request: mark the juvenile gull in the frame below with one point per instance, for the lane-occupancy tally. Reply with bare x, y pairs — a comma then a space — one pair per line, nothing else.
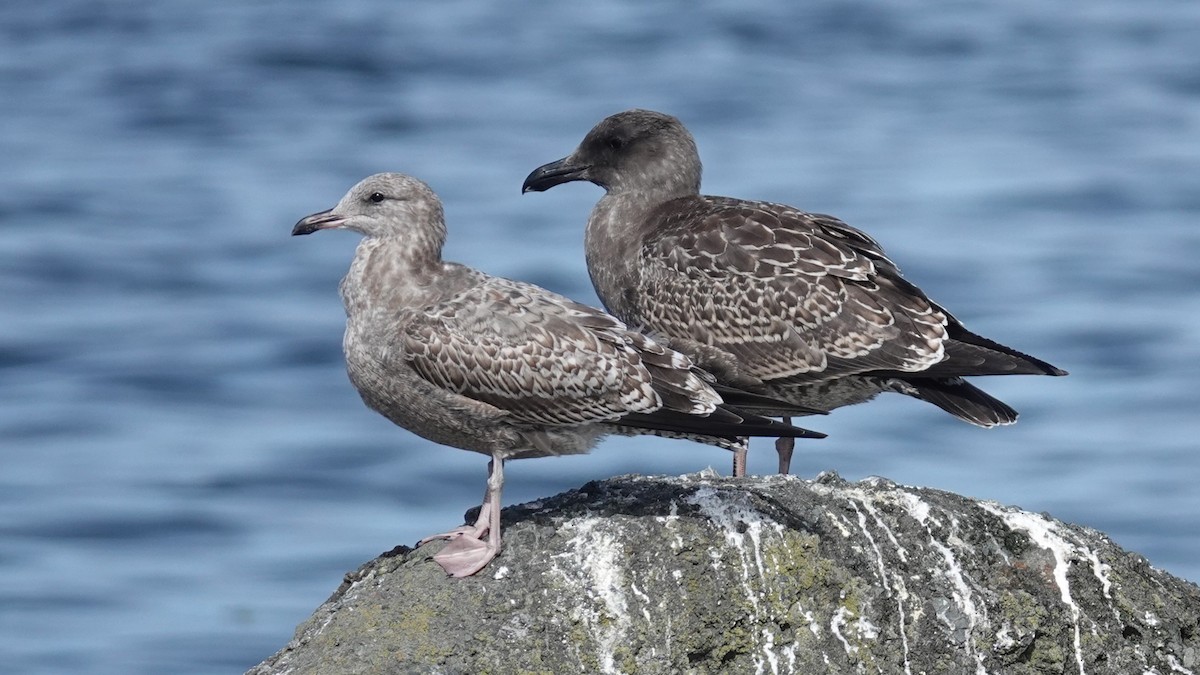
500, 367
795, 305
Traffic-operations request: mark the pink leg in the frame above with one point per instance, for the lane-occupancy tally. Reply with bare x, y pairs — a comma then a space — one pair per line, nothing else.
784, 447
739, 458
467, 552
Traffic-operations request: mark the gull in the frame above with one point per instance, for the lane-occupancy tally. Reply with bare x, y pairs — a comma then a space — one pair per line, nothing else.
500, 367
769, 298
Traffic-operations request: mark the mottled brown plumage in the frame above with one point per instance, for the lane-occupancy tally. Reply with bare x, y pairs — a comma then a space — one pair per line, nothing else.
764, 295
496, 366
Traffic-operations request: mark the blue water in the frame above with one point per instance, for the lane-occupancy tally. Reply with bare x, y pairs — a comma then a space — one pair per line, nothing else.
185, 472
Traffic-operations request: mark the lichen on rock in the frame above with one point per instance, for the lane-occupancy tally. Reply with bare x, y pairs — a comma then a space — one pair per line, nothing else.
704, 574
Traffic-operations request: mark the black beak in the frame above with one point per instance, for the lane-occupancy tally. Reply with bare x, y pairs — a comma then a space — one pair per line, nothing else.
318, 221
555, 173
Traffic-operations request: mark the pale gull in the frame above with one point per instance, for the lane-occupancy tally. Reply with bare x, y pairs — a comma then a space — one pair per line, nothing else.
794, 305
500, 367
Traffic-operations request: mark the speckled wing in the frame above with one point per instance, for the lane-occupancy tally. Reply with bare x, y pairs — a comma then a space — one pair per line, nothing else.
546, 360
793, 296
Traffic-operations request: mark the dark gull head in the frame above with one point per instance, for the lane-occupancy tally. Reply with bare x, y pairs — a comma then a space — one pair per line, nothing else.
386, 205
635, 150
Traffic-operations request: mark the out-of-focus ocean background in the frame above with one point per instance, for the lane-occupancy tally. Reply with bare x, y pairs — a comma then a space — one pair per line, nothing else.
186, 473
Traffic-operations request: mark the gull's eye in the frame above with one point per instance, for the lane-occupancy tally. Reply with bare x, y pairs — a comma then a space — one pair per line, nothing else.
376, 197
615, 143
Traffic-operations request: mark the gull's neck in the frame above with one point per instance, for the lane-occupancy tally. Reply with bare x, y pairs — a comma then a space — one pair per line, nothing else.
613, 240
388, 275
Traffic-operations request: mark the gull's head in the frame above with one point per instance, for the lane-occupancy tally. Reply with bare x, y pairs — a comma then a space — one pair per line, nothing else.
386, 205
635, 150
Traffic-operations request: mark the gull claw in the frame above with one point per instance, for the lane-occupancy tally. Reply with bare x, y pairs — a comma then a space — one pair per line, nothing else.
465, 555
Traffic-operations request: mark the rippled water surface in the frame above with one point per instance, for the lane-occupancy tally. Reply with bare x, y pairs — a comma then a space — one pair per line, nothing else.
185, 472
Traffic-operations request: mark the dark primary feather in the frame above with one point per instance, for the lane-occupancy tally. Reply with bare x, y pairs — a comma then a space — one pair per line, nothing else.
726, 422
745, 400
954, 395
959, 398
989, 357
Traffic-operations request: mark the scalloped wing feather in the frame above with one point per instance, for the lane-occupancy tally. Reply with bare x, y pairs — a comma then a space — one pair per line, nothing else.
546, 360
793, 296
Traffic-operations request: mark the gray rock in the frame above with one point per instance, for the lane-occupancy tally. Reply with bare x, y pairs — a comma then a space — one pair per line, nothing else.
761, 575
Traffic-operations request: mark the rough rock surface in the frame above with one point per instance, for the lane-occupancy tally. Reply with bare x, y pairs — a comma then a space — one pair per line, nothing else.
761, 575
